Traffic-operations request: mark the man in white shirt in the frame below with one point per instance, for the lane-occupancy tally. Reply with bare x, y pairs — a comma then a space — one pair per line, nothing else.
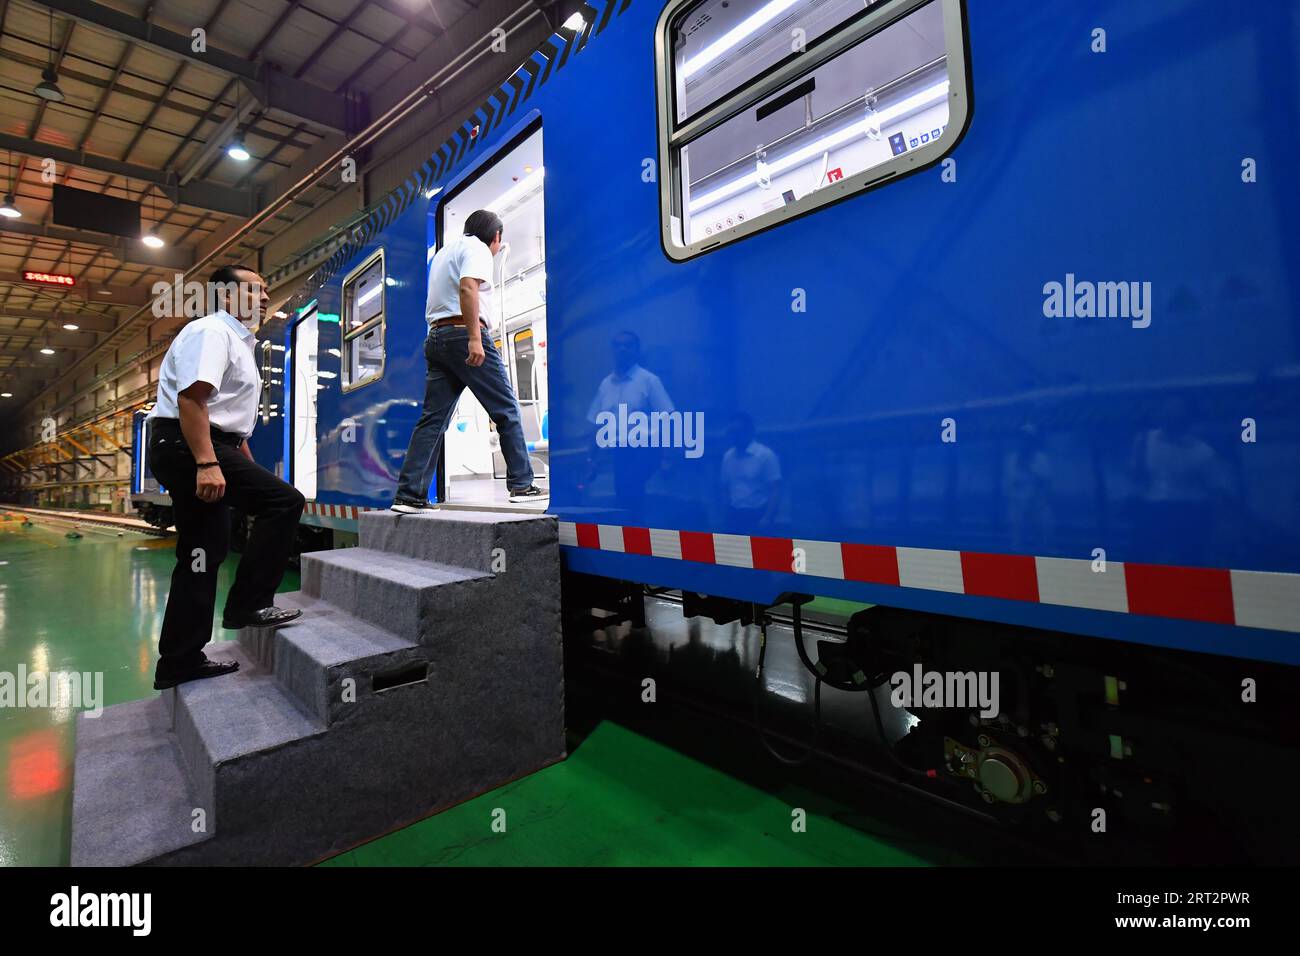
639, 390
459, 354
208, 390
629, 384
751, 478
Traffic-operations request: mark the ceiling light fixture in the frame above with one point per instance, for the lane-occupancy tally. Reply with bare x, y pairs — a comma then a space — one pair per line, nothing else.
48, 88
237, 150
9, 210
151, 237
71, 326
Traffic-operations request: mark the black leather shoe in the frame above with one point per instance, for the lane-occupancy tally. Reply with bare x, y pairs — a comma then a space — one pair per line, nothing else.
266, 617
205, 670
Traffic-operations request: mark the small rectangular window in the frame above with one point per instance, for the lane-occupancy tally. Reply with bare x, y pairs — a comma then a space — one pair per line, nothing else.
772, 108
364, 291
266, 363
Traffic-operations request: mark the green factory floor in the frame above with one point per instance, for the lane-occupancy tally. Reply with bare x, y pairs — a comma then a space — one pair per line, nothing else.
94, 604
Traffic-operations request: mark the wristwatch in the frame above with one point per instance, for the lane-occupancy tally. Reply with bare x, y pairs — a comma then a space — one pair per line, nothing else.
207, 464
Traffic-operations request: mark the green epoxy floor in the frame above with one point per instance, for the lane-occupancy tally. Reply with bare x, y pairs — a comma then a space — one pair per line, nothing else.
95, 604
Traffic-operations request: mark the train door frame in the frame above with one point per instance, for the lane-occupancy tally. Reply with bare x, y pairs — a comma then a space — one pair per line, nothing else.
293, 367
531, 125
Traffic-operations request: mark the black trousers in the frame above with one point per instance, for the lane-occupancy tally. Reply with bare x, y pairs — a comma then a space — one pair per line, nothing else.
203, 540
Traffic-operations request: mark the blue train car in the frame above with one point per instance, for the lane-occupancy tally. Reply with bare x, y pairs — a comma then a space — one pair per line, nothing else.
984, 314
1029, 362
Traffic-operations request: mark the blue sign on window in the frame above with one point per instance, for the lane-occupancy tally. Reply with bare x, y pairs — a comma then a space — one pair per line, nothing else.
897, 143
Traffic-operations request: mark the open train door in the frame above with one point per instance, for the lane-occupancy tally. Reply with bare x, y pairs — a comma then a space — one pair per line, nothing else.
472, 472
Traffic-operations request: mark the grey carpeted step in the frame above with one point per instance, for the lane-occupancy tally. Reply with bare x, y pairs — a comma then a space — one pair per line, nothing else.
417, 599
226, 722
458, 689
131, 799
480, 540
332, 662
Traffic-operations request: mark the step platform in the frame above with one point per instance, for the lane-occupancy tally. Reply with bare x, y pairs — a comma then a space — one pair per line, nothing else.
426, 669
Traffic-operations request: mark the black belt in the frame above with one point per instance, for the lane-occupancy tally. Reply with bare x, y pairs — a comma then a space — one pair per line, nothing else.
453, 320
171, 427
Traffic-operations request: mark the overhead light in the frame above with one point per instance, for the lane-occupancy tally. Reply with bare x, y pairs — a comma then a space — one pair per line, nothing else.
735, 35
6, 394
575, 22
9, 210
103, 292
47, 351
152, 240
71, 326
237, 150
48, 88
282, 315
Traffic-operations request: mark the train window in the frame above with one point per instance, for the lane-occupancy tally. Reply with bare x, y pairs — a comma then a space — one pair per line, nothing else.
523, 340
364, 291
773, 108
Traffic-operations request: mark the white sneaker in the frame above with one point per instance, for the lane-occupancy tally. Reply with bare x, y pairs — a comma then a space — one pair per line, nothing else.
407, 506
531, 493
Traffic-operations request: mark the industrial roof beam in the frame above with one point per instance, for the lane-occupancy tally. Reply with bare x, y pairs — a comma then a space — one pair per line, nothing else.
219, 139
217, 198
100, 293
274, 89
85, 321
125, 249
43, 338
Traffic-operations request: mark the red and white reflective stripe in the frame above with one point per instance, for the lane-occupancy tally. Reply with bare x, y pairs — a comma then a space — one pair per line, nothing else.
1264, 599
335, 511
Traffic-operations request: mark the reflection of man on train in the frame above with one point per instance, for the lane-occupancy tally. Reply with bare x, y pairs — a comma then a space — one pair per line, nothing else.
627, 389
1178, 474
459, 354
750, 476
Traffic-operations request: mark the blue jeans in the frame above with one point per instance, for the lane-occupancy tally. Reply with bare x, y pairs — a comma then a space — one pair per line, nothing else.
445, 351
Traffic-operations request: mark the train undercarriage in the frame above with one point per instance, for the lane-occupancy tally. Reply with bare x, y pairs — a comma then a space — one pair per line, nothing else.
1095, 750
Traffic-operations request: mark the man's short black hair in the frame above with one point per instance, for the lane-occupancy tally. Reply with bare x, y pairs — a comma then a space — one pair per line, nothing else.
483, 224
225, 275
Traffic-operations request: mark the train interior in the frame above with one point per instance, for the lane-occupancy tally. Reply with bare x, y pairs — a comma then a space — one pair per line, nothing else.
510, 184
873, 102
